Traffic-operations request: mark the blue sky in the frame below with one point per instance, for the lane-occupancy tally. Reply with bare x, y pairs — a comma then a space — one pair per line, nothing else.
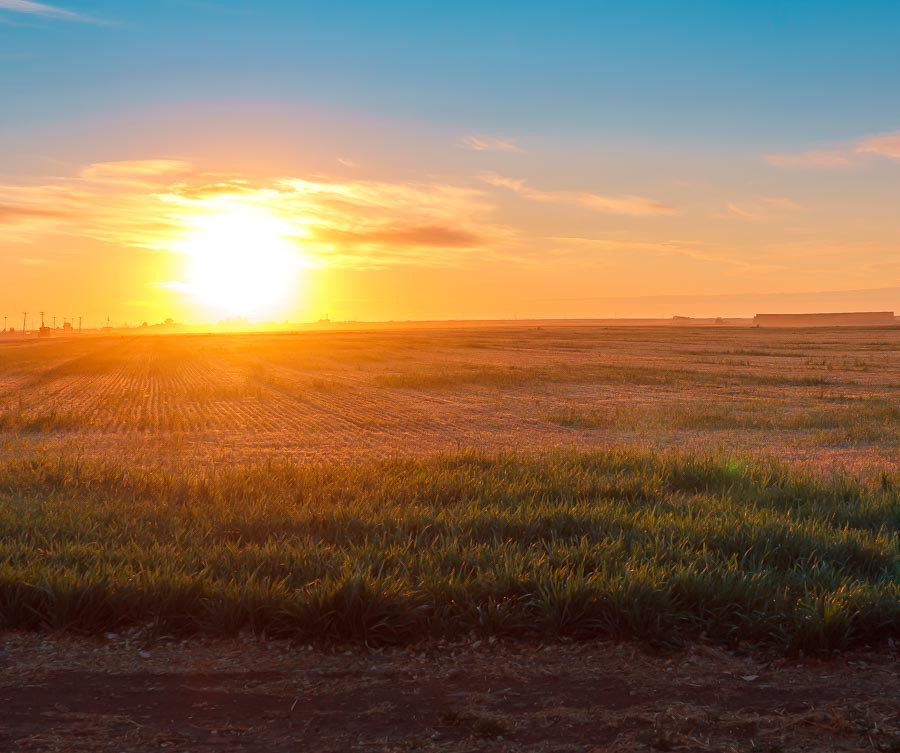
773, 73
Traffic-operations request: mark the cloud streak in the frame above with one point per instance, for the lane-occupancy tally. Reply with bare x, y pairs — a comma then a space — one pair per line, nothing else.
431, 236
763, 208
10, 213
43, 10
633, 206
135, 171
489, 144
885, 145
157, 204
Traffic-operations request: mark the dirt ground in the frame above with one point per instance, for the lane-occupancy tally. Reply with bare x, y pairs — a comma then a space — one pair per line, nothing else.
123, 693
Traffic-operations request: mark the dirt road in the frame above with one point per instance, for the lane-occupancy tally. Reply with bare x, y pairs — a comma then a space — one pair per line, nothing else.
122, 694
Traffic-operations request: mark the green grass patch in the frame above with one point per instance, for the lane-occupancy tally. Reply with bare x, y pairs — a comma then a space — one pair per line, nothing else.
620, 544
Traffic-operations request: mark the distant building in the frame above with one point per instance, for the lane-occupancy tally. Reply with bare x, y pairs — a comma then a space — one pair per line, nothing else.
845, 319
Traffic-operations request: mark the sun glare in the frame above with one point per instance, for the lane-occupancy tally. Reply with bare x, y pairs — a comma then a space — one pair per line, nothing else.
242, 262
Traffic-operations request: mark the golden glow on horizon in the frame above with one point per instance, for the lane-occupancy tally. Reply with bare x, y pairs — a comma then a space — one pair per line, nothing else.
241, 261
159, 238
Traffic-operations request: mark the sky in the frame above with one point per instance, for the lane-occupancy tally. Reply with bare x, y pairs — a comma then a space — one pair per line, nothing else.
207, 160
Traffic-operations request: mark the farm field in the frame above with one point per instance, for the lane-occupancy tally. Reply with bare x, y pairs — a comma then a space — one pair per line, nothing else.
717, 501
829, 397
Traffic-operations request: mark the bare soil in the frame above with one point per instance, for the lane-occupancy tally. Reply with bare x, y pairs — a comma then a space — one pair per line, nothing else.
126, 693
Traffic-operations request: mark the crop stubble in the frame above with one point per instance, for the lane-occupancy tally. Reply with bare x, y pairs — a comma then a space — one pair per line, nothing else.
825, 396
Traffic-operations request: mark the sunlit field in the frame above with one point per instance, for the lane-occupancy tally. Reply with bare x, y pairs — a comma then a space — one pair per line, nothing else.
739, 486
828, 397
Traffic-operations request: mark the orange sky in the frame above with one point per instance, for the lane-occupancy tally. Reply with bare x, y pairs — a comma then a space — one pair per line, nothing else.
147, 239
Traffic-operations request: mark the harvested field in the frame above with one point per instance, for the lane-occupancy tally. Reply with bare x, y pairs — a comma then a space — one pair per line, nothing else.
829, 397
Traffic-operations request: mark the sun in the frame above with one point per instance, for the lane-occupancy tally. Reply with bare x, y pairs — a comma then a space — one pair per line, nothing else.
241, 262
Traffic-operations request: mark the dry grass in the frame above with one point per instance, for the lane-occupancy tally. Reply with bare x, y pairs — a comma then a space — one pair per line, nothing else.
826, 396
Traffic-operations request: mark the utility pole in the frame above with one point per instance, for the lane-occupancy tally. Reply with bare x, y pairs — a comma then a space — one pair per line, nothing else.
42, 320
24, 317
79, 325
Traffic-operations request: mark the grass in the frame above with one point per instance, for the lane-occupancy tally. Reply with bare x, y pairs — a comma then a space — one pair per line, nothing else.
16, 417
857, 421
619, 544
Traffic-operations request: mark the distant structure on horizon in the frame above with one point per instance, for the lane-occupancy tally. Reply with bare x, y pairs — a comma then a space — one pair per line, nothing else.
845, 319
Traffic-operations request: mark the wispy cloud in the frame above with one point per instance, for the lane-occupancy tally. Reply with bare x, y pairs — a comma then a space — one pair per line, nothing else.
635, 206
156, 204
885, 145
44, 10
879, 145
763, 208
10, 213
489, 144
135, 172
436, 236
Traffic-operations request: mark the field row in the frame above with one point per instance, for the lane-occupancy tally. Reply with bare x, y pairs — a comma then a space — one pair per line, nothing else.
379, 393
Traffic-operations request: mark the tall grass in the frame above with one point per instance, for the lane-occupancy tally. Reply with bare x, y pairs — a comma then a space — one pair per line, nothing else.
661, 548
